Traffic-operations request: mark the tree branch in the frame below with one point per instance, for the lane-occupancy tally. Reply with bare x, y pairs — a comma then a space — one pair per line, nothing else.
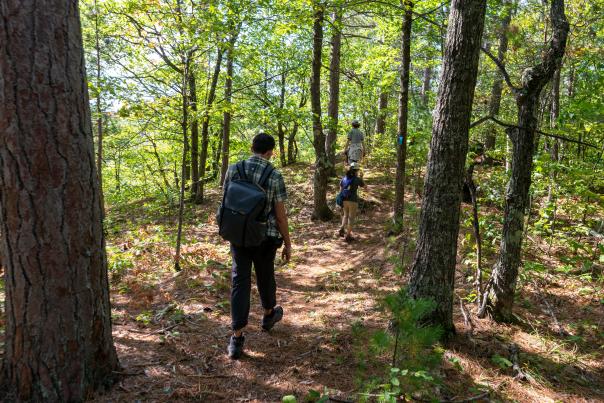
509, 125
502, 69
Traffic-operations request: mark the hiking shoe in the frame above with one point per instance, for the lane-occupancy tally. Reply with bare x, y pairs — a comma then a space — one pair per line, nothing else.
268, 321
349, 238
235, 348
341, 232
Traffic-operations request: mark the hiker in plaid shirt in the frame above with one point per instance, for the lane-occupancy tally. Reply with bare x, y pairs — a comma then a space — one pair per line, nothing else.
263, 256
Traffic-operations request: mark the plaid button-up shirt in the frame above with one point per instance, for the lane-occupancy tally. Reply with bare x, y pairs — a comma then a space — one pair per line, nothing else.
275, 188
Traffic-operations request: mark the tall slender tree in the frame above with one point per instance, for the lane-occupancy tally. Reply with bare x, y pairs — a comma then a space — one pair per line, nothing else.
333, 108
321, 210
497, 89
228, 94
522, 137
433, 270
403, 113
58, 344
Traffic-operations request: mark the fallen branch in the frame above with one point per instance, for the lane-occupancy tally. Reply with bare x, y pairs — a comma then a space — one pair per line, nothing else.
519, 374
210, 376
466, 316
470, 399
550, 311
125, 373
484, 304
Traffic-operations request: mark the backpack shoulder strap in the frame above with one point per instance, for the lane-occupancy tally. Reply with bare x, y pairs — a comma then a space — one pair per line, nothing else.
241, 169
268, 170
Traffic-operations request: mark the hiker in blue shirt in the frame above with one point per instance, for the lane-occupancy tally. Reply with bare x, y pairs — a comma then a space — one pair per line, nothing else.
349, 186
260, 171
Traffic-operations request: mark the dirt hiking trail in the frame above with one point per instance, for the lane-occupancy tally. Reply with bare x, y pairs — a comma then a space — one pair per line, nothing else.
171, 329
328, 285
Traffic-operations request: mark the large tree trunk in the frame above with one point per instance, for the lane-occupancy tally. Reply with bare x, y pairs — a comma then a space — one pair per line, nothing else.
495, 101
58, 344
205, 126
334, 92
403, 113
226, 117
505, 272
433, 271
321, 210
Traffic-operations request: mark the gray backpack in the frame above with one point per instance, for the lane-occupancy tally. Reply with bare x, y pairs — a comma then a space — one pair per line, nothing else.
241, 218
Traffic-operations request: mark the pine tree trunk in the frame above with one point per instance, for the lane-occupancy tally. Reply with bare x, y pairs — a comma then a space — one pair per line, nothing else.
205, 127
403, 113
433, 271
495, 101
334, 92
58, 344
505, 272
321, 210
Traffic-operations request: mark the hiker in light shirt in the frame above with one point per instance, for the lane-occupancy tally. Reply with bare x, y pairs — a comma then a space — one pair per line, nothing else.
354, 144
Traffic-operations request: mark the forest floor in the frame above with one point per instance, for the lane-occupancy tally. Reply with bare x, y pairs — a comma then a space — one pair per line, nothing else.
171, 329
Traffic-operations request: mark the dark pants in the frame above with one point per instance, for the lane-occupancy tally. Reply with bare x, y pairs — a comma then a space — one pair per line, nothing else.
263, 258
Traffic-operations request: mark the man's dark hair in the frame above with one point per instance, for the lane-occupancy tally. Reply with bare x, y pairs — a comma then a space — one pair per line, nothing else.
262, 143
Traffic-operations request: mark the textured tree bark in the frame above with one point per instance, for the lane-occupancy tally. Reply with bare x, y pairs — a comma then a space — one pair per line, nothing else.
205, 125
58, 344
403, 113
321, 210
505, 272
495, 101
334, 92
433, 271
